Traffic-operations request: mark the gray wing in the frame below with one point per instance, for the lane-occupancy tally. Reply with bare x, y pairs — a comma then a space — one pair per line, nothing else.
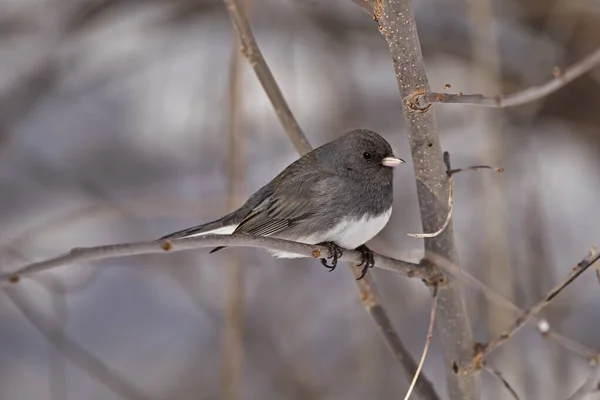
293, 201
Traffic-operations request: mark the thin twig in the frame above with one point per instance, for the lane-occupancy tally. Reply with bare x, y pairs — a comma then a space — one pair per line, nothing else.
239, 240
562, 78
475, 168
427, 342
533, 311
254, 56
450, 173
593, 252
448, 216
507, 385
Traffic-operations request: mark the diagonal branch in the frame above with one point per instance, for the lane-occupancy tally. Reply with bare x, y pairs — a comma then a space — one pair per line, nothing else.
372, 302
561, 79
72, 350
397, 25
533, 311
254, 56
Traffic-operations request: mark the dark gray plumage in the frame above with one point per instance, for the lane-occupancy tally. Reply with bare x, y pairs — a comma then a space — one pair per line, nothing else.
341, 192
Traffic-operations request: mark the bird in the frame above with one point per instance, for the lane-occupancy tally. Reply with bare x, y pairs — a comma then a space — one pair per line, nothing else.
338, 195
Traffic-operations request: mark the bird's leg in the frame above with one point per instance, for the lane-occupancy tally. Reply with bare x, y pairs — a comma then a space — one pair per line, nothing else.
366, 259
335, 251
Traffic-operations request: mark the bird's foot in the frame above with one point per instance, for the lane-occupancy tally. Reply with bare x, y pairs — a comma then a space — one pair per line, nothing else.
366, 258
335, 251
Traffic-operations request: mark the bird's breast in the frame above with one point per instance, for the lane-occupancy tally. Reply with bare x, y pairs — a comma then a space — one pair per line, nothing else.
350, 232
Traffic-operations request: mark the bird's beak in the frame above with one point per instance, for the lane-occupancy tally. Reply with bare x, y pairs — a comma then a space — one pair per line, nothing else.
391, 162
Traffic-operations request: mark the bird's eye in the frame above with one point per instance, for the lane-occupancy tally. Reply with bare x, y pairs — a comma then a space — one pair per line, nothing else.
367, 155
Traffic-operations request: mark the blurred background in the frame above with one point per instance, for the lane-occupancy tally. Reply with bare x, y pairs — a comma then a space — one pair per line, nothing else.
118, 123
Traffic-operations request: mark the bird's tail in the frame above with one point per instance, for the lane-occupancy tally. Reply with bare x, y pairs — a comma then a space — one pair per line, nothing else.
221, 226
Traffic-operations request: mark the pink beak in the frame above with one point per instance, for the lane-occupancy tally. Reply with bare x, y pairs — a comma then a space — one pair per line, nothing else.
391, 162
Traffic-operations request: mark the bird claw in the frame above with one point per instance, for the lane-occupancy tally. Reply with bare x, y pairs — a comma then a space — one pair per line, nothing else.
367, 259
336, 252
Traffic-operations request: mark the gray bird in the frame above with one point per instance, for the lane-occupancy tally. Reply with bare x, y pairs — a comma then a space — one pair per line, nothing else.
338, 195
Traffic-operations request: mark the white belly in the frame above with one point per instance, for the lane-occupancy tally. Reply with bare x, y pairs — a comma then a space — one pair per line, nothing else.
348, 234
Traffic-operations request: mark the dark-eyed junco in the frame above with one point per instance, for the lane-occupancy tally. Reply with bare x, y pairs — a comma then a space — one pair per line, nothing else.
339, 195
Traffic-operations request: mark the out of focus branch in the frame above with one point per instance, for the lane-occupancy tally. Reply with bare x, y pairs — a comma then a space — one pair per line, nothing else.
590, 385
72, 350
240, 240
501, 378
561, 78
254, 56
232, 365
533, 311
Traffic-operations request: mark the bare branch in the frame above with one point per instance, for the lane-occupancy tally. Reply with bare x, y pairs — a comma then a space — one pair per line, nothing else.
446, 221
561, 78
257, 62
397, 25
72, 350
533, 311
239, 240
497, 298
427, 342
592, 252
372, 302
507, 385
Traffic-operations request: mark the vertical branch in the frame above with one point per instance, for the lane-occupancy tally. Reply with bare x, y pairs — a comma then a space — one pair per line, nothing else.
497, 263
233, 347
397, 25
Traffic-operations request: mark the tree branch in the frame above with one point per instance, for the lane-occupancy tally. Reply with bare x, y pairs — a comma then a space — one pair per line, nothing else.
397, 25
252, 52
533, 311
72, 350
239, 240
372, 302
561, 78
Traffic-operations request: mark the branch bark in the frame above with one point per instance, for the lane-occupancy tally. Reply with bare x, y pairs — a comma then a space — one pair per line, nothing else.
256, 60
397, 25
535, 310
130, 249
